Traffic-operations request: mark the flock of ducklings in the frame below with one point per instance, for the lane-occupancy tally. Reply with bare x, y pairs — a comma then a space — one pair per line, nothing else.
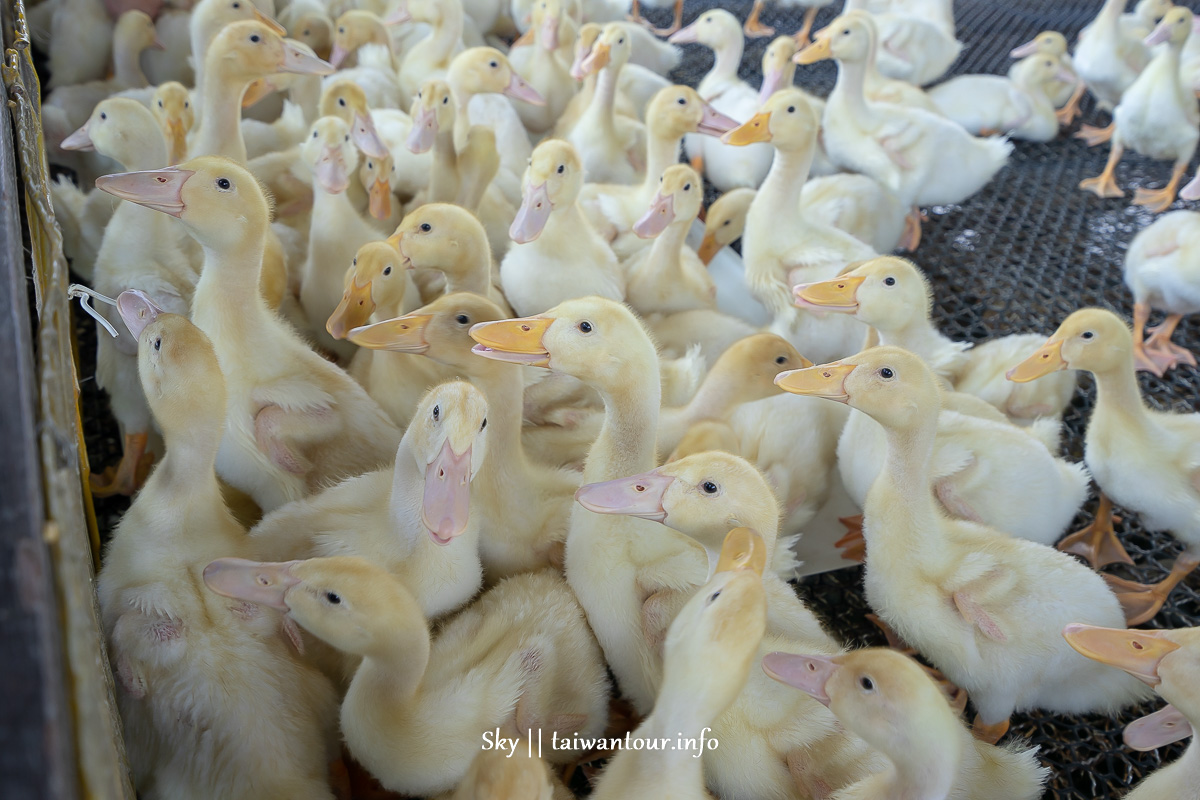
359, 526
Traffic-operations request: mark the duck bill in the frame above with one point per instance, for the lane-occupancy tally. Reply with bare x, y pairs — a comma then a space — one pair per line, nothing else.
159, 189
137, 311
596, 60
772, 83
810, 674
709, 248
532, 216
299, 62
518, 89
366, 138
818, 50
1163, 727
401, 335
261, 583
1046, 360
743, 551
256, 91
549, 32
1027, 49
518, 341
714, 123
840, 294
825, 380
269, 22
446, 502
656, 220
331, 171
638, 496
1159, 35
353, 311
338, 55
578, 72
423, 132
380, 198
687, 35
755, 129
398, 17
80, 140
1137, 652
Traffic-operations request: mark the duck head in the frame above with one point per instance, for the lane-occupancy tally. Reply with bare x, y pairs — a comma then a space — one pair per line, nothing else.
123, 129
330, 154
432, 111
725, 222
887, 293
552, 180
787, 120
440, 330
352, 30
348, 102
1174, 27
485, 70
443, 237
315, 30
1050, 43
613, 46
1091, 339
779, 70
678, 201
850, 37
251, 50
172, 107
375, 175
716, 29
585, 40
678, 110
375, 278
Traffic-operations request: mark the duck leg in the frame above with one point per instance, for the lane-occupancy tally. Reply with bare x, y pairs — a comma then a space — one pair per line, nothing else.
1162, 351
988, 733
1066, 115
911, 237
1159, 200
1098, 543
1105, 184
1142, 601
1141, 358
810, 16
676, 23
753, 27
129, 475
854, 546
1093, 135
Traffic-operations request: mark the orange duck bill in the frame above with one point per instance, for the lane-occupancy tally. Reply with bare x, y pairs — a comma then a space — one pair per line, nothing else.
1046, 360
1137, 652
518, 341
353, 311
159, 189
840, 294
755, 129
825, 380
401, 335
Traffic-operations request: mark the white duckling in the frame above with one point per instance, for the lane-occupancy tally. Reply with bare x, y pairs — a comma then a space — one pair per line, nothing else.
1158, 117
413, 519
890, 701
1159, 273
984, 607
709, 651
309, 22
1020, 105
668, 277
905, 149
294, 421
859, 205
778, 256
895, 298
543, 69
726, 166
86, 24
357, 28
912, 47
1065, 95
610, 145
208, 19
1143, 459
724, 222
555, 254
429, 59
1165, 660
523, 505
266, 721
172, 107
520, 659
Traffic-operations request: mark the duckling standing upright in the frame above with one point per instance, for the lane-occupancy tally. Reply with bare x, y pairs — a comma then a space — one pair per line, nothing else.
610, 145
1161, 272
1145, 460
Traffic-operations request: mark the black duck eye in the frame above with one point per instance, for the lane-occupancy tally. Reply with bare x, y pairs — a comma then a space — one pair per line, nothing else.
781, 360
370, 165
493, 64
791, 109
484, 425
1088, 334
846, 32
886, 373
354, 262
342, 102
314, 134
889, 281
158, 343
445, 100
561, 169
585, 326
334, 598
187, 104
387, 270
346, 138
709, 487
620, 41
714, 595
437, 412
726, 222
160, 105
255, 38
462, 319
426, 227
237, 5
682, 101
103, 115
341, 30
866, 683
307, 32
687, 187
223, 184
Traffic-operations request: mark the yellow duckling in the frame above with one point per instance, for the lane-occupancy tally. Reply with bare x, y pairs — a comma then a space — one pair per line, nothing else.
172, 107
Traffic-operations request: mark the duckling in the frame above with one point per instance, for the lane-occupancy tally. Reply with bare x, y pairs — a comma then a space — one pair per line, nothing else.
1065, 95
1157, 116
429, 59
524, 505
668, 277
859, 205
708, 653
357, 28
519, 659
414, 519
610, 145
543, 69
551, 234
1138, 456
172, 107
1157, 267
208, 19
724, 222
727, 167
86, 24
903, 148
516, 774
984, 607
889, 700
1020, 105
778, 256
913, 47
779, 72
266, 719
1165, 660
309, 22
894, 297
294, 421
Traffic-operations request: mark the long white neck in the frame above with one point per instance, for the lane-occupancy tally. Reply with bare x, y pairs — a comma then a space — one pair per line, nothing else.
600, 111
446, 34
503, 386
228, 305
127, 67
785, 181
901, 497
728, 59
664, 257
1119, 400
661, 152
849, 91
917, 336
443, 174
220, 132
628, 437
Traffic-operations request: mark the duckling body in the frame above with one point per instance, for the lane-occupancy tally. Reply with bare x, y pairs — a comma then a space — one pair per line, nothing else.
1020, 105
1106, 60
1159, 272
610, 145
914, 47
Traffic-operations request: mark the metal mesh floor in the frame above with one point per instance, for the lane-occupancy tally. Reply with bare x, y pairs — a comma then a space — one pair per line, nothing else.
1019, 256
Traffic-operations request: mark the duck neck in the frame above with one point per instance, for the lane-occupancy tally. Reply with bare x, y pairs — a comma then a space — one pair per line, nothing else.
929, 765
404, 505
677, 720
220, 132
227, 304
601, 109
1111, 11
661, 152
127, 67
901, 494
143, 153
471, 270
390, 676
443, 174
628, 437
785, 181
189, 467
503, 386
1119, 399
446, 33
850, 88
716, 398
725, 68
462, 116
664, 256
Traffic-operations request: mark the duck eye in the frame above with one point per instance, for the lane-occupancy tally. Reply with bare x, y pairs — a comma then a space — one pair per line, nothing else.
1088, 334
585, 326
781, 360
426, 227
370, 165
437, 412
341, 30
307, 32
160, 104
387, 270
620, 41
493, 64
346, 138
709, 487
889, 281
687, 187
158, 343
484, 425
866, 683
354, 262
462, 319
726, 222
445, 100
342, 102
334, 598
223, 184
255, 38
561, 169
791, 109
887, 374
714, 595
237, 5
314, 134
187, 104
103, 115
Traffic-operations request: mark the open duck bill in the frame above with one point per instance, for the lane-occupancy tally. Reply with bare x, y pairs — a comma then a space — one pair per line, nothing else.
366, 138
301, 63
808, 673
401, 335
137, 311
638, 496
532, 216
379, 198
1163, 727
660, 215
424, 131
549, 37
743, 550
331, 170
353, 311
269, 22
80, 140
446, 502
824, 380
1135, 651
709, 248
714, 123
518, 89
1046, 360
840, 294
597, 59
819, 50
517, 341
755, 129
159, 189
688, 35
258, 582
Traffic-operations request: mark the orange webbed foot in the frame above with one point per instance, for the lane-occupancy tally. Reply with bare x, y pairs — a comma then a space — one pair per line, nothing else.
854, 546
1103, 185
1097, 543
1093, 135
911, 238
1142, 601
1155, 200
989, 733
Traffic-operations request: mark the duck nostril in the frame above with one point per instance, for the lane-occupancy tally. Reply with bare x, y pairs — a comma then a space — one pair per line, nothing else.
639, 488
1138, 646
